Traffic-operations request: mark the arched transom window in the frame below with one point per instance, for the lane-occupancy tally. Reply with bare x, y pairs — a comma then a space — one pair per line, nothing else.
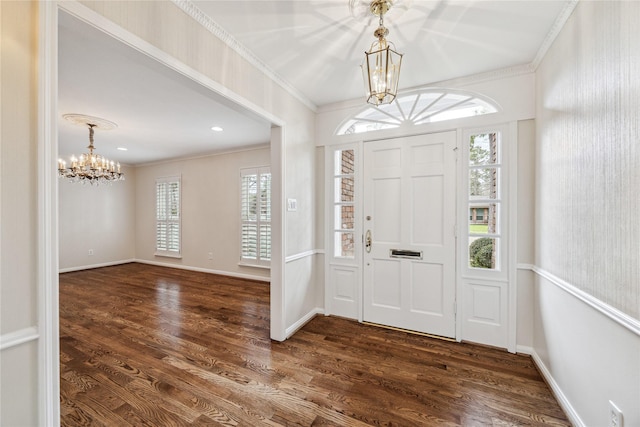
418, 108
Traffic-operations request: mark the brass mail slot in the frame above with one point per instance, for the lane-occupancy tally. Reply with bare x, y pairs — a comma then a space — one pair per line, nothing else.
405, 253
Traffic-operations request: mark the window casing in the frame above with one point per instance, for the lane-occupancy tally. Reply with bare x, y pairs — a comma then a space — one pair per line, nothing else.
255, 216
168, 213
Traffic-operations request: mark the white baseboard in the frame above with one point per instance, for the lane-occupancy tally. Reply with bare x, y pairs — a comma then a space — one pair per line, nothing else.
204, 270
89, 267
523, 349
303, 321
557, 392
18, 337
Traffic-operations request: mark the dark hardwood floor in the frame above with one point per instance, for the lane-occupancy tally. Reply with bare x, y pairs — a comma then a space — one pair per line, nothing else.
151, 346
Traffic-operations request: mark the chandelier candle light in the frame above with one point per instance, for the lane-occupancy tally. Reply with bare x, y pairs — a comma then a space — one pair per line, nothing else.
381, 66
90, 167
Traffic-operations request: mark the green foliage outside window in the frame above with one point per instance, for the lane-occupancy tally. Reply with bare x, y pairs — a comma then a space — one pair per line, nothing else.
481, 253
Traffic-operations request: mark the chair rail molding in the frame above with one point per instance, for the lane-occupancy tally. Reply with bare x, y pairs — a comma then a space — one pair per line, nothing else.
21, 336
612, 313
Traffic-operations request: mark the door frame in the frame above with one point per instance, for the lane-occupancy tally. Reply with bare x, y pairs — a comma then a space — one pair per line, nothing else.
47, 197
509, 281
354, 266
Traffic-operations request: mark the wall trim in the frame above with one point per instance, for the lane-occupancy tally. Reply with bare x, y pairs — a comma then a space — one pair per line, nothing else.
566, 406
21, 336
89, 267
612, 313
207, 155
48, 363
304, 254
524, 349
303, 321
204, 270
214, 28
525, 267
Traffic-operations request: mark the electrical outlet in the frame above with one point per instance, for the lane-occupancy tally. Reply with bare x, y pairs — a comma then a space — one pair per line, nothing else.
615, 416
90, 252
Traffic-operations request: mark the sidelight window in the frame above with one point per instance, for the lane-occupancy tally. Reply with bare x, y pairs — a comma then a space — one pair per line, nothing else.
344, 203
484, 200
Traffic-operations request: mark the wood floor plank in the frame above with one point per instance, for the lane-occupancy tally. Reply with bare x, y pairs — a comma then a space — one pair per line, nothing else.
152, 346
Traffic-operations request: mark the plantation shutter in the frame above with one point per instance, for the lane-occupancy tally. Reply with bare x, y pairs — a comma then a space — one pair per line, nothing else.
255, 195
168, 216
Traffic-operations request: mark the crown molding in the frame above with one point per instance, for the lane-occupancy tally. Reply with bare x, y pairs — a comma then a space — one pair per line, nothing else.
501, 73
214, 28
553, 33
451, 84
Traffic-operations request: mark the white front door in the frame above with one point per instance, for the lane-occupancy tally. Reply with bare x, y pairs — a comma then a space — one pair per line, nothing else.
409, 224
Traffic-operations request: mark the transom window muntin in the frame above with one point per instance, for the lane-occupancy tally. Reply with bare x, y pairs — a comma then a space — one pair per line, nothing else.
416, 109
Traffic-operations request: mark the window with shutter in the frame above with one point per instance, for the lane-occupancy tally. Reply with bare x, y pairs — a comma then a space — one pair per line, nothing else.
255, 212
168, 216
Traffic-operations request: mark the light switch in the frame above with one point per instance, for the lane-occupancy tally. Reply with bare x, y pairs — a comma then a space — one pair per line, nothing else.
292, 205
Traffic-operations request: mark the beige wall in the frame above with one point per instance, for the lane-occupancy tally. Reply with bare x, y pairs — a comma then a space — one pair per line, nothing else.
210, 210
98, 218
18, 212
587, 230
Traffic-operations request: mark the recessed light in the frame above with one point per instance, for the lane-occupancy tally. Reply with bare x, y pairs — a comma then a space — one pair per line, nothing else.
216, 129
122, 149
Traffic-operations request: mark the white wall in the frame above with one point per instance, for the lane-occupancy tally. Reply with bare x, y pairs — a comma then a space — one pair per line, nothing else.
98, 218
587, 231
210, 211
18, 214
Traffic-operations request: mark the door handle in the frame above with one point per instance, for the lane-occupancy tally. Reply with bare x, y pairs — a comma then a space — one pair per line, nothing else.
367, 241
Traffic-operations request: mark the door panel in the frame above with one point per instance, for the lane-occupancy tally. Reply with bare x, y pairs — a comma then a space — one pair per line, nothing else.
388, 209
386, 271
409, 205
426, 221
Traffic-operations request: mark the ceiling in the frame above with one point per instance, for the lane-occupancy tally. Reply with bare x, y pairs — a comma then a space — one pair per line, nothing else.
315, 47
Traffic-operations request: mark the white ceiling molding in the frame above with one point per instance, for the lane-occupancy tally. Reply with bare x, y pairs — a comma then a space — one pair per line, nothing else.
501, 73
553, 32
456, 83
214, 28
206, 155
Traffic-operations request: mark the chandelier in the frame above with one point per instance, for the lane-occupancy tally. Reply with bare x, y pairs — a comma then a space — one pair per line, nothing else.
381, 66
90, 167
